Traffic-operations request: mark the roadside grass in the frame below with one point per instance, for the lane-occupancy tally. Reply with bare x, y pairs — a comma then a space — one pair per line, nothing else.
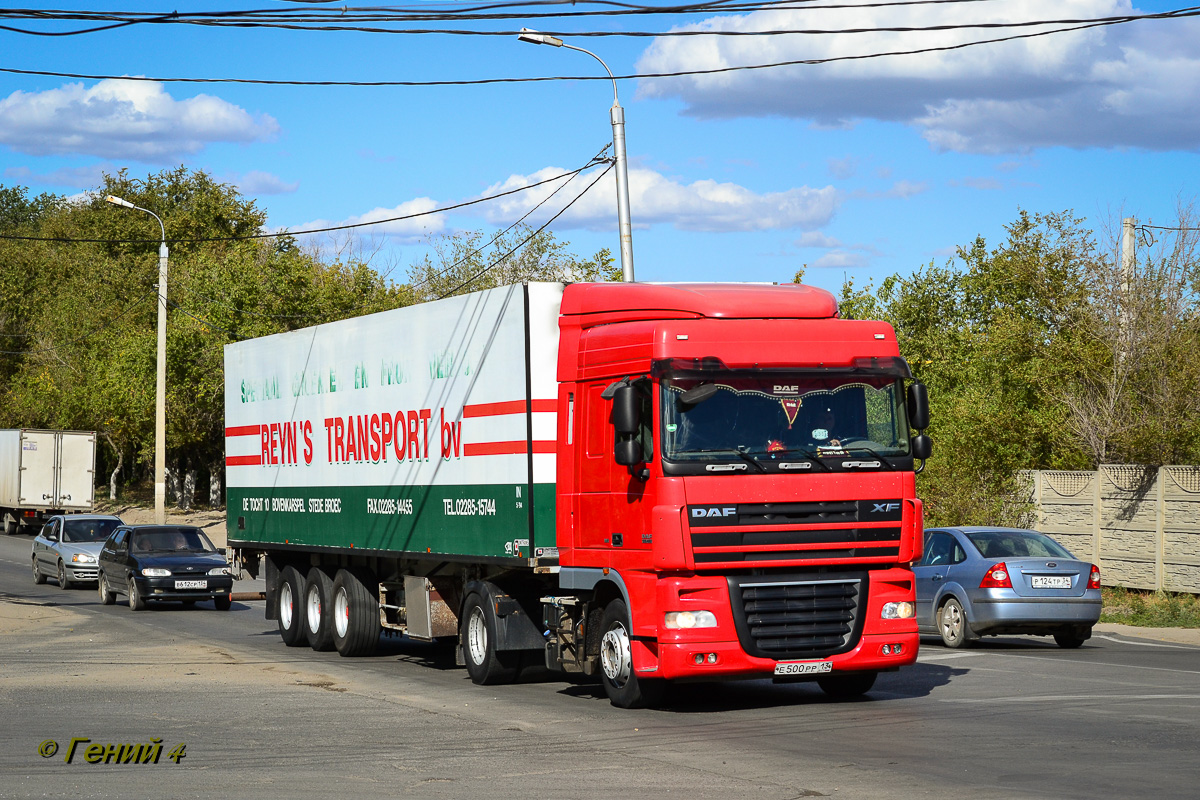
1150, 609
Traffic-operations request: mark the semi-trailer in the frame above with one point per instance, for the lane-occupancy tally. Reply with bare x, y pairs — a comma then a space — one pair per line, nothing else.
641, 482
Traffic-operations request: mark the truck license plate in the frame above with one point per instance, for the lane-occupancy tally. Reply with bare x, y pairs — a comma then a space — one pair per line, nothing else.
803, 667
191, 584
1050, 581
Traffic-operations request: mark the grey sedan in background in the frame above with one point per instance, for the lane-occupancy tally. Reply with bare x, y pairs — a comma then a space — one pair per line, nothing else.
68, 545
974, 582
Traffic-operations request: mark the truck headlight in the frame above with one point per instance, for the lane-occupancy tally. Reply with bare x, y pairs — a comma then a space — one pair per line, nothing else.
676, 620
903, 610
156, 572
83, 558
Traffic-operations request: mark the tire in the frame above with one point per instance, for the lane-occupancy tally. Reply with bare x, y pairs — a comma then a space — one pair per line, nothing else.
106, 596
355, 614
1069, 639
318, 610
63, 583
953, 624
290, 591
189, 603
854, 684
622, 685
485, 665
222, 602
38, 577
136, 601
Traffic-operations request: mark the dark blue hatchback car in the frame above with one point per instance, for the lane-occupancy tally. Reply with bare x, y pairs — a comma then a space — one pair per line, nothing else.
163, 562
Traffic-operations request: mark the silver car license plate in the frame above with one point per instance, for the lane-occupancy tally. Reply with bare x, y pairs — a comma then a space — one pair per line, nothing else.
1050, 581
803, 667
191, 584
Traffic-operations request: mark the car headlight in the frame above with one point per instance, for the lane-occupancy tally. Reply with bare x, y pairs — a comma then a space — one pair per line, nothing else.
690, 619
219, 571
156, 572
83, 558
903, 610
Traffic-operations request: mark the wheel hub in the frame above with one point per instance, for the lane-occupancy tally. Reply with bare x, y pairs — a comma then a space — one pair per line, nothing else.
285, 605
615, 659
477, 636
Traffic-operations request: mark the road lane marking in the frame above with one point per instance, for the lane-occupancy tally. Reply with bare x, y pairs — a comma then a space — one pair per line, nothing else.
947, 656
1146, 644
1055, 698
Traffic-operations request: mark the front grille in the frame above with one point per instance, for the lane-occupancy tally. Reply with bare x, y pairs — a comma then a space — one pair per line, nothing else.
798, 616
744, 534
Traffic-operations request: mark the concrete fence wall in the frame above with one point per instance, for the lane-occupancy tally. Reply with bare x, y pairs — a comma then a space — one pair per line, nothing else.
1141, 525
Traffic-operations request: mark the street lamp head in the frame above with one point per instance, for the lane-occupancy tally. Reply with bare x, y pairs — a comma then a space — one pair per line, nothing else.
533, 37
116, 201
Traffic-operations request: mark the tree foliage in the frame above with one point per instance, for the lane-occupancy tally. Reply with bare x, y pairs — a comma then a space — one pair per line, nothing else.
1038, 354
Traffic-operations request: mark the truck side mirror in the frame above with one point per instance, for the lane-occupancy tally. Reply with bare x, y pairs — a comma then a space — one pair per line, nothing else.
918, 406
628, 452
922, 447
626, 410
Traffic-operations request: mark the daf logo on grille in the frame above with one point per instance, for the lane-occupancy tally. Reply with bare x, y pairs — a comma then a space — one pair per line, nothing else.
883, 508
714, 511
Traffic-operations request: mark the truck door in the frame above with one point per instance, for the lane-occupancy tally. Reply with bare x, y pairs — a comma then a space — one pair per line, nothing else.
609, 499
37, 486
76, 470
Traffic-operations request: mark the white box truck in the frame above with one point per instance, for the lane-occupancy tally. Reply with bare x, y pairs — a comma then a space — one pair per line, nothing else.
43, 473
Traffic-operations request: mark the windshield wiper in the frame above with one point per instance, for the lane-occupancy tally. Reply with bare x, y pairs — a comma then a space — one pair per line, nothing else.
742, 454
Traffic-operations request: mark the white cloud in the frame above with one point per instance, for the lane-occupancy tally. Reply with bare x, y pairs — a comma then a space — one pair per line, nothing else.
817, 239
654, 198
75, 177
1132, 85
124, 120
907, 188
842, 168
840, 259
406, 230
255, 182
983, 184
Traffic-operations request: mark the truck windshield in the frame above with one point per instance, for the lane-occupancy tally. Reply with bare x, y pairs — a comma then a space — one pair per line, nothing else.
742, 416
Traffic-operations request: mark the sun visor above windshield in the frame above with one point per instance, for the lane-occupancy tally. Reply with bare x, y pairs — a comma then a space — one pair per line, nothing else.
716, 301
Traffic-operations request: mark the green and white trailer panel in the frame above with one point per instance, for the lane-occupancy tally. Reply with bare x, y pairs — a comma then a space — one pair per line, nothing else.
426, 430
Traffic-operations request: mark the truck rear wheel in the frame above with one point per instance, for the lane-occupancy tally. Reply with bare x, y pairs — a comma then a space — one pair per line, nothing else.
355, 614
318, 591
291, 607
624, 688
486, 665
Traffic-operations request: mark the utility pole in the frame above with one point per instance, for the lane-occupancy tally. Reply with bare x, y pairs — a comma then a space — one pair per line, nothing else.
1128, 260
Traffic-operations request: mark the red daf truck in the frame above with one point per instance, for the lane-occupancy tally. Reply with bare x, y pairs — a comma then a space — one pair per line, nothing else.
646, 483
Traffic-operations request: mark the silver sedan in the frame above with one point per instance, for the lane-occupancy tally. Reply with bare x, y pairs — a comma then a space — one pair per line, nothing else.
68, 545
974, 582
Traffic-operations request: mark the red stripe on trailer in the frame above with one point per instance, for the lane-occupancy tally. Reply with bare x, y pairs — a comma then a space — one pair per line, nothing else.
507, 407
243, 430
244, 461
506, 448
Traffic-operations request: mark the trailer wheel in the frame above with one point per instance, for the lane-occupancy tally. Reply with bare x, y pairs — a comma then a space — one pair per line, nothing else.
38, 577
291, 607
624, 688
355, 614
318, 592
486, 665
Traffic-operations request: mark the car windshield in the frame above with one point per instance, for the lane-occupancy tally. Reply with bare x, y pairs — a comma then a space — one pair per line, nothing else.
782, 415
88, 530
183, 540
1016, 544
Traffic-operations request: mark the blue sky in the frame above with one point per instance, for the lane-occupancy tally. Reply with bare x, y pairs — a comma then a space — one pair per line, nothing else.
856, 169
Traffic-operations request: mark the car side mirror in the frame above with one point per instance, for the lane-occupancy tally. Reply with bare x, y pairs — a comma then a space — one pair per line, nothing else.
918, 406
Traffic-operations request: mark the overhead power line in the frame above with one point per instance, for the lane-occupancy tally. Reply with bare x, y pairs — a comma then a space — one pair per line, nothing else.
1182, 13
277, 234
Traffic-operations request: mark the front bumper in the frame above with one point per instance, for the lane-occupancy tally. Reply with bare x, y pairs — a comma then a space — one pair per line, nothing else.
80, 573
165, 589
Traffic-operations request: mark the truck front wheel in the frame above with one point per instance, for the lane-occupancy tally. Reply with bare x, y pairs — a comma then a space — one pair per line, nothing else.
318, 592
355, 614
853, 684
485, 665
291, 607
624, 688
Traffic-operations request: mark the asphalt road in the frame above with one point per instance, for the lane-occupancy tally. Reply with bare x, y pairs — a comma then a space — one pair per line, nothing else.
1012, 718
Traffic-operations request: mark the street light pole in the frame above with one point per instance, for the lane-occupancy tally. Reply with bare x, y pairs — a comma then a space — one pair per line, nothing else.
160, 383
617, 114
